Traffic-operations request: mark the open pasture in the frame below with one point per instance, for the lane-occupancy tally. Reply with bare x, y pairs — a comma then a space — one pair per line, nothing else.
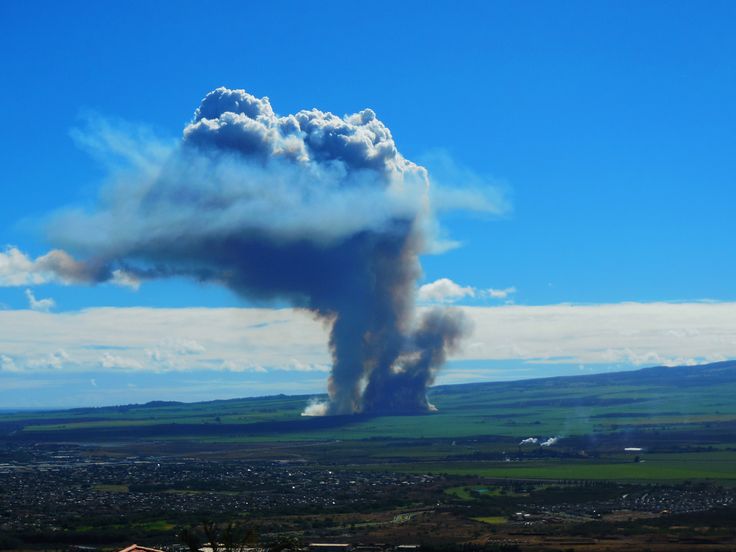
683, 420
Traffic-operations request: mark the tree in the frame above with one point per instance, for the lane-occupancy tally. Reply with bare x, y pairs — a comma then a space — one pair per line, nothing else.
191, 539
284, 543
233, 538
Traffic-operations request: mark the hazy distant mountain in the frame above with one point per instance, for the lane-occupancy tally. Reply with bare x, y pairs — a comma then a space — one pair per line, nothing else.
716, 373
697, 400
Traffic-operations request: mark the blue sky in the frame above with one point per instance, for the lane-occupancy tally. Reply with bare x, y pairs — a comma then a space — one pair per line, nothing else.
609, 126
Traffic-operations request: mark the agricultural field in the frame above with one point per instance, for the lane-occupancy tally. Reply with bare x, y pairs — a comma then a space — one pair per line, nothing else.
575, 459
683, 420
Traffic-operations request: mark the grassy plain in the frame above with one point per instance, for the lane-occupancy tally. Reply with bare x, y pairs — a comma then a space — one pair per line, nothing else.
683, 420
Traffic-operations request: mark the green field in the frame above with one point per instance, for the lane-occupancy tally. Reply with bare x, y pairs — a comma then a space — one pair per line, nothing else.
491, 520
683, 419
674, 469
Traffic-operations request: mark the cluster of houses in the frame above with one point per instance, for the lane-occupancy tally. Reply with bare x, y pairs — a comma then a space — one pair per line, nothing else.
311, 547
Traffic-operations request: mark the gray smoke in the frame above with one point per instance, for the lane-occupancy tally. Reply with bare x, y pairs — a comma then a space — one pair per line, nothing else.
320, 210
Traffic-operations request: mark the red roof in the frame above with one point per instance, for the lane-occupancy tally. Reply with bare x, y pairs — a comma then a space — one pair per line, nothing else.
136, 548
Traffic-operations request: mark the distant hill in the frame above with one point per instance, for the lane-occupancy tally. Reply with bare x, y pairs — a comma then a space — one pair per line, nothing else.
683, 398
701, 375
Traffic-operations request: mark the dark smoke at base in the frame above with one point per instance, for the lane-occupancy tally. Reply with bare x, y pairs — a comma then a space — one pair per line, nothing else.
316, 209
402, 388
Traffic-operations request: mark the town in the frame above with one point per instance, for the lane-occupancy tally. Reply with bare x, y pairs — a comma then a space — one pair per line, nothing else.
80, 496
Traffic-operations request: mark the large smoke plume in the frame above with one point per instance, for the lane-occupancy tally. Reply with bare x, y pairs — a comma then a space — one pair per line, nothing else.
316, 209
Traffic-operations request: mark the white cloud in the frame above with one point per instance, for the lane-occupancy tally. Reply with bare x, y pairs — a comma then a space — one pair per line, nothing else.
266, 340
7, 364
500, 293
445, 290
625, 333
168, 352
164, 340
42, 305
182, 346
109, 360
233, 366
549, 442
55, 360
17, 269
299, 366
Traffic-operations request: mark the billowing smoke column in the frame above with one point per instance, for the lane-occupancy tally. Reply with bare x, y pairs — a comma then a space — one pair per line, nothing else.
320, 210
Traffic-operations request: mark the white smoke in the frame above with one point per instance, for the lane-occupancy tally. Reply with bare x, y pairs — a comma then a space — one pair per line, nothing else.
536, 441
316, 407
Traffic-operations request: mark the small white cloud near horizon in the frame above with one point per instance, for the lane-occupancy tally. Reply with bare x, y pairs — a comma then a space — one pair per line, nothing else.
109, 360
499, 293
445, 290
52, 361
7, 364
234, 366
40, 305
